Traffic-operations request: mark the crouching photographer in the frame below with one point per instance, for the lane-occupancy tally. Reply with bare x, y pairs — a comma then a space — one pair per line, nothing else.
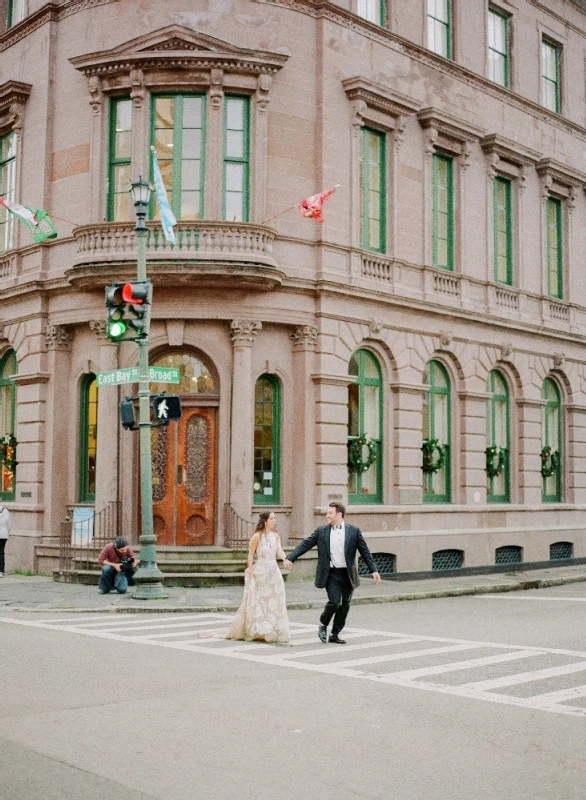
118, 567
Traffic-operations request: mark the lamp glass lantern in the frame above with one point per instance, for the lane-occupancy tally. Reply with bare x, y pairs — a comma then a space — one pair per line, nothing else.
140, 192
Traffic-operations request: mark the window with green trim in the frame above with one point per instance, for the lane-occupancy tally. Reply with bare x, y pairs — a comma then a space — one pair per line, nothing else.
267, 441
8, 368
88, 439
365, 421
7, 187
439, 35
119, 207
555, 249
498, 440
178, 135
236, 159
498, 47
16, 12
550, 75
503, 231
551, 491
372, 190
437, 426
372, 10
443, 212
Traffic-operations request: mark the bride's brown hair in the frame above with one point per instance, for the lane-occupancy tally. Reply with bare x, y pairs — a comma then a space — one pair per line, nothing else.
262, 521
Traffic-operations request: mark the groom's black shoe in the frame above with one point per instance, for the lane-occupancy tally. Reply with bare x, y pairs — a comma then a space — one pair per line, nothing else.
322, 632
335, 639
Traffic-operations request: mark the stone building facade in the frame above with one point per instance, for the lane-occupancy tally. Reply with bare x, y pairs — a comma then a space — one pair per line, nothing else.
430, 333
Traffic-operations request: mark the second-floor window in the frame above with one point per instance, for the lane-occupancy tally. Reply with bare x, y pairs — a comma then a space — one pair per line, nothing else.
7, 187
498, 47
120, 148
503, 231
554, 247
16, 12
439, 27
550, 75
372, 190
443, 212
236, 159
177, 132
372, 10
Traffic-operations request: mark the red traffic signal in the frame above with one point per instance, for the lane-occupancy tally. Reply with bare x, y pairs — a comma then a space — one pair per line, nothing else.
135, 293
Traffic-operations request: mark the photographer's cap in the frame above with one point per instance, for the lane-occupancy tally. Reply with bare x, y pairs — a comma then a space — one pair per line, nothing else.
120, 542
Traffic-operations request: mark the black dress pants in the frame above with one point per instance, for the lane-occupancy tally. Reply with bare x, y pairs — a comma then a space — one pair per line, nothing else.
2, 546
339, 591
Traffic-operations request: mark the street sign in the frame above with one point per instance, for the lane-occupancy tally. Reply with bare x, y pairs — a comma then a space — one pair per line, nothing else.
131, 375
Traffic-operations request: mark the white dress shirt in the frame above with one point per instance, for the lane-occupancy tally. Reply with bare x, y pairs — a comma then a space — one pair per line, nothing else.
337, 539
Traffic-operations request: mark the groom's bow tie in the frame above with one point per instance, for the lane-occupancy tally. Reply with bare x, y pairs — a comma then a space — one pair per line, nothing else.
336, 527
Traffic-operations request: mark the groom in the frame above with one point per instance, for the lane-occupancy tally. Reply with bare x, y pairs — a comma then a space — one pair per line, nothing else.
337, 544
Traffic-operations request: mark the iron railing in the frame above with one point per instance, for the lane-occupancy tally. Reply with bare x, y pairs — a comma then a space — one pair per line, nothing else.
238, 531
81, 541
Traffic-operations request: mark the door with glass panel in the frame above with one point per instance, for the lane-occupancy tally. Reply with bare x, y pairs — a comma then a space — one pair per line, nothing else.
497, 440
436, 434
551, 469
364, 429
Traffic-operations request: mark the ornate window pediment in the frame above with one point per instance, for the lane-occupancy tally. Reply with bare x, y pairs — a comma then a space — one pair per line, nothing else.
448, 134
378, 105
508, 158
13, 96
560, 180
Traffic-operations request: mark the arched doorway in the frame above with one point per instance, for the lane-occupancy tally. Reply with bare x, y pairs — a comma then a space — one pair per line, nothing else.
184, 457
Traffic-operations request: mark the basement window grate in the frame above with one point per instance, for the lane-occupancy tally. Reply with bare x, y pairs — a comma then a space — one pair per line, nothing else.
385, 563
509, 554
447, 559
560, 550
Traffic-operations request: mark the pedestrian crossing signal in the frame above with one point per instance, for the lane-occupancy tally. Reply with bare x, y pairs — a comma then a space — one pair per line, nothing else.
167, 407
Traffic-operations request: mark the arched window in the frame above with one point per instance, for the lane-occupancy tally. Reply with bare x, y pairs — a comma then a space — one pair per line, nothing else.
551, 452
436, 434
7, 425
194, 376
267, 444
365, 429
88, 439
497, 440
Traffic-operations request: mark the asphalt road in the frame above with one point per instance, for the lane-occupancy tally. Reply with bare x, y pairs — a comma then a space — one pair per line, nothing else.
475, 698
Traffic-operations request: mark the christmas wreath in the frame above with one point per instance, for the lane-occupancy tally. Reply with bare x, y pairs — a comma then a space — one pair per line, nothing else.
550, 460
356, 462
8, 452
431, 461
495, 460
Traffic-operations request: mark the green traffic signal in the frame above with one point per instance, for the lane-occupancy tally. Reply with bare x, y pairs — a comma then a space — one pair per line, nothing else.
116, 329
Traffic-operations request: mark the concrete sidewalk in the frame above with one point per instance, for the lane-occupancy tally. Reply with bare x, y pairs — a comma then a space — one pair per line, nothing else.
36, 593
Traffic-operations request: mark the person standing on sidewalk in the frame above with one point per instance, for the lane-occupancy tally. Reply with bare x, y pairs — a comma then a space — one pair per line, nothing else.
118, 567
337, 545
4, 533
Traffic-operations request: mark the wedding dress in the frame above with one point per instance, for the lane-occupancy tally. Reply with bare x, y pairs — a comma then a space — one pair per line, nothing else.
263, 612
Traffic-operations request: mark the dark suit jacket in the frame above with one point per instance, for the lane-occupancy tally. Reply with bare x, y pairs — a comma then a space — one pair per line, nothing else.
354, 542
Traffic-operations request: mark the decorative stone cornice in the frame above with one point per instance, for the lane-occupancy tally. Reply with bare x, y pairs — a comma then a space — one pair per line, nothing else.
304, 337
510, 151
552, 173
13, 96
243, 331
380, 98
98, 326
451, 127
57, 337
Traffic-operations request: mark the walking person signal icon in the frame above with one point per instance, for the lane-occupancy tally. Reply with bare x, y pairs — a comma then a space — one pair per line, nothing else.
166, 407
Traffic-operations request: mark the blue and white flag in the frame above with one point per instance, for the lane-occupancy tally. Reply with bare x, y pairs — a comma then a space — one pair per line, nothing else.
165, 211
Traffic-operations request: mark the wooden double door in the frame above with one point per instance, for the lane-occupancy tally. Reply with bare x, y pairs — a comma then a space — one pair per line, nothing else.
184, 478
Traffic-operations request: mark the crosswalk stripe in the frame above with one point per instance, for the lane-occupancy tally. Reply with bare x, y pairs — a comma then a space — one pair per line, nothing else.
484, 661
186, 619
430, 651
328, 651
562, 695
525, 677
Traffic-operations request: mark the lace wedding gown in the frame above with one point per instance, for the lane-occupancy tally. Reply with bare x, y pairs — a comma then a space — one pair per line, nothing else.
263, 612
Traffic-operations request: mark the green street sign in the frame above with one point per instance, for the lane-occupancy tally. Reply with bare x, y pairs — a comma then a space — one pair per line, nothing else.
131, 375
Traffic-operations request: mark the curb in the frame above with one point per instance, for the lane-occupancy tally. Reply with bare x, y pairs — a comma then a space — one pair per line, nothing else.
310, 604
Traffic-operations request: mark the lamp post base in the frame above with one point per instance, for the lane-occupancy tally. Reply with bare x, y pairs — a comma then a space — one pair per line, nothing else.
148, 576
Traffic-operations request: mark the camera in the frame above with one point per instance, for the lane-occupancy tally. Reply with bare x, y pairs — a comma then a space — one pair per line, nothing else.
126, 562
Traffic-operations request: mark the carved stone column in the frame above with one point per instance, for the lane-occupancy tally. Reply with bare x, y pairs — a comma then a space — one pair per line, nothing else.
473, 447
108, 423
304, 340
214, 146
243, 333
529, 449
407, 477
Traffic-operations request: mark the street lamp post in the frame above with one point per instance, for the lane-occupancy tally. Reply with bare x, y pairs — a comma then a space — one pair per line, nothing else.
148, 575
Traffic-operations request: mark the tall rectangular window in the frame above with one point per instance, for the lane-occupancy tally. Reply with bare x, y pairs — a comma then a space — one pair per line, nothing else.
443, 212
16, 12
439, 36
177, 132
119, 174
7, 187
550, 75
372, 190
498, 48
503, 231
236, 159
267, 434
555, 255
372, 10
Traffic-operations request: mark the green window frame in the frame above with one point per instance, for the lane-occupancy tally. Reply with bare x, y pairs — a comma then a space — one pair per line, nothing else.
439, 27
118, 205
267, 441
550, 75
437, 425
551, 491
16, 12
7, 188
365, 418
555, 248
498, 47
236, 172
503, 231
498, 436
178, 136
373, 210
443, 212
372, 10
88, 438
8, 367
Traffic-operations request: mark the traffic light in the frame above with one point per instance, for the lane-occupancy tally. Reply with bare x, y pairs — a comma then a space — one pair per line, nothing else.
137, 297
128, 306
115, 325
166, 407
127, 414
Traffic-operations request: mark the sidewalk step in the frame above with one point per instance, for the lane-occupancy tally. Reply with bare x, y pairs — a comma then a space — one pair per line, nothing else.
179, 565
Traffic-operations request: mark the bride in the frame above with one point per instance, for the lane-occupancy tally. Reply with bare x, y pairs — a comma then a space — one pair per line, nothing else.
262, 614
